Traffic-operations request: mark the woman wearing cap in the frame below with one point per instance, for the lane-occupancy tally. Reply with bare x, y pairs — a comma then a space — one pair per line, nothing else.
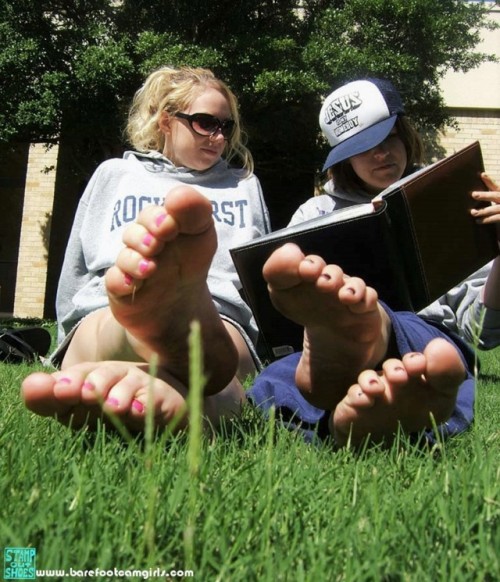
373, 146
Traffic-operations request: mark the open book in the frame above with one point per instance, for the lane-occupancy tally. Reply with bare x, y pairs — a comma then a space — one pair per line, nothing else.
413, 243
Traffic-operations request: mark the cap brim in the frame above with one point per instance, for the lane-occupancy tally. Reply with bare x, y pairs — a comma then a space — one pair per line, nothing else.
361, 142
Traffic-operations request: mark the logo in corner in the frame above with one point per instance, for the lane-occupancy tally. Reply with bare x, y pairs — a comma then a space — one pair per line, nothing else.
19, 563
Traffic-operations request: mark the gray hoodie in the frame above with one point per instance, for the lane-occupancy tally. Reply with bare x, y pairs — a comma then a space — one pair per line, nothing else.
118, 191
460, 310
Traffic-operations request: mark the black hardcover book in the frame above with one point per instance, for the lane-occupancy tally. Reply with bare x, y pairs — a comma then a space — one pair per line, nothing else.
413, 243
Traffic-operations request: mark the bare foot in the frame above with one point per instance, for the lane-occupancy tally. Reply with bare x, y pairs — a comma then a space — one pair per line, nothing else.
405, 394
346, 330
86, 393
158, 287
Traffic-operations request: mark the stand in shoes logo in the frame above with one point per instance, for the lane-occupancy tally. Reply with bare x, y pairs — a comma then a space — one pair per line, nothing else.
19, 564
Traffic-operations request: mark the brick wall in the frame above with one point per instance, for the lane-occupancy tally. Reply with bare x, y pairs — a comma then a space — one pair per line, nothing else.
482, 125
35, 231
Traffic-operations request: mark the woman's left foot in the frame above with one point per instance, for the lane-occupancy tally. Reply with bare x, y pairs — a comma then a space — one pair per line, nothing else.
410, 394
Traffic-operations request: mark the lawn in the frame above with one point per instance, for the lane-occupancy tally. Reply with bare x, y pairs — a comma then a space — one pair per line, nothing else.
253, 502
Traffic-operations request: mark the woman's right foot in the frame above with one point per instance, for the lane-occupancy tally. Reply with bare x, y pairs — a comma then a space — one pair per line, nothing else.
345, 328
158, 286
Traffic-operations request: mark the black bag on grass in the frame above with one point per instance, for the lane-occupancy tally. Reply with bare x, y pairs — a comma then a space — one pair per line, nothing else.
23, 344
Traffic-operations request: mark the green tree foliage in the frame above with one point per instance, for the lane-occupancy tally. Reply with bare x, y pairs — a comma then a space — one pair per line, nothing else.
68, 68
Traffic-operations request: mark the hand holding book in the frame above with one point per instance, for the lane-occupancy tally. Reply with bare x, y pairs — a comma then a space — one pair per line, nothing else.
488, 214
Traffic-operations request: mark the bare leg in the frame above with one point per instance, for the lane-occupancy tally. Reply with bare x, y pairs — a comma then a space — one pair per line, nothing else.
79, 395
405, 394
156, 289
346, 329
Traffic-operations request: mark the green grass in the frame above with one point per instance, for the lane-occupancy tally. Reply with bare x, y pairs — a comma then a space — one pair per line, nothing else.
253, 502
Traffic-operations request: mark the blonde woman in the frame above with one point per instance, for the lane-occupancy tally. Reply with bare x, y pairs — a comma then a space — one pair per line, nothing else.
148, 253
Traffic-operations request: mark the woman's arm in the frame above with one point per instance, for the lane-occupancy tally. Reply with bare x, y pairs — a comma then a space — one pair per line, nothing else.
490, 293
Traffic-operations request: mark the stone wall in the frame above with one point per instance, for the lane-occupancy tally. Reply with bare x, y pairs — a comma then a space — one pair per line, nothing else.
35, 231
482, 125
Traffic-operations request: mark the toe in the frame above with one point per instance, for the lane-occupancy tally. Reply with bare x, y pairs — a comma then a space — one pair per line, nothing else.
395, 371
371, 383
353, 290
358, 398
310, 268
138, 238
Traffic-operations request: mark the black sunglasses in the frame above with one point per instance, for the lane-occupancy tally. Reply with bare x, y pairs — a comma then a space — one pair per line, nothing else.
208, 125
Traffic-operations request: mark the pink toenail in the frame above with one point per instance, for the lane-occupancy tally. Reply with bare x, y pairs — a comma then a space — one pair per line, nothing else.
160, 219
143, 266
88, 385
112, 401
128, 279
136, 405
147, 240
325, 276
64, 380
372, 382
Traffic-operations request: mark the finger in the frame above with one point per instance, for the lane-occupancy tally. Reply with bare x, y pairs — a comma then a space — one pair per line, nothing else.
493, 197
488, 215
489, 182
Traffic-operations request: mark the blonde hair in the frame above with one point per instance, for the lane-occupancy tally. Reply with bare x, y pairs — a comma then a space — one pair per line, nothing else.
173, 90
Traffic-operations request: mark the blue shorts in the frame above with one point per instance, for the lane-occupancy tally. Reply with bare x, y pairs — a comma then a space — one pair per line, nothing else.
275, 386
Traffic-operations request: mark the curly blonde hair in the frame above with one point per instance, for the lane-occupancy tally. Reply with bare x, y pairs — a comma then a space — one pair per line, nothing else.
172, 90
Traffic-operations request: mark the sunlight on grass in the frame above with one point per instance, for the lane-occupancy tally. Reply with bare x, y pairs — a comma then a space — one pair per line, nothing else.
253, 501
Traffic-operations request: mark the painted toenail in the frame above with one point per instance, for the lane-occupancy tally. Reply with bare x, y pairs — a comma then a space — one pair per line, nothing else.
325, 276
160, 219
351, 290
136, 405
88, 385
143, 266
64, 380
112, 401
147, 240
373, 381
128, 279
